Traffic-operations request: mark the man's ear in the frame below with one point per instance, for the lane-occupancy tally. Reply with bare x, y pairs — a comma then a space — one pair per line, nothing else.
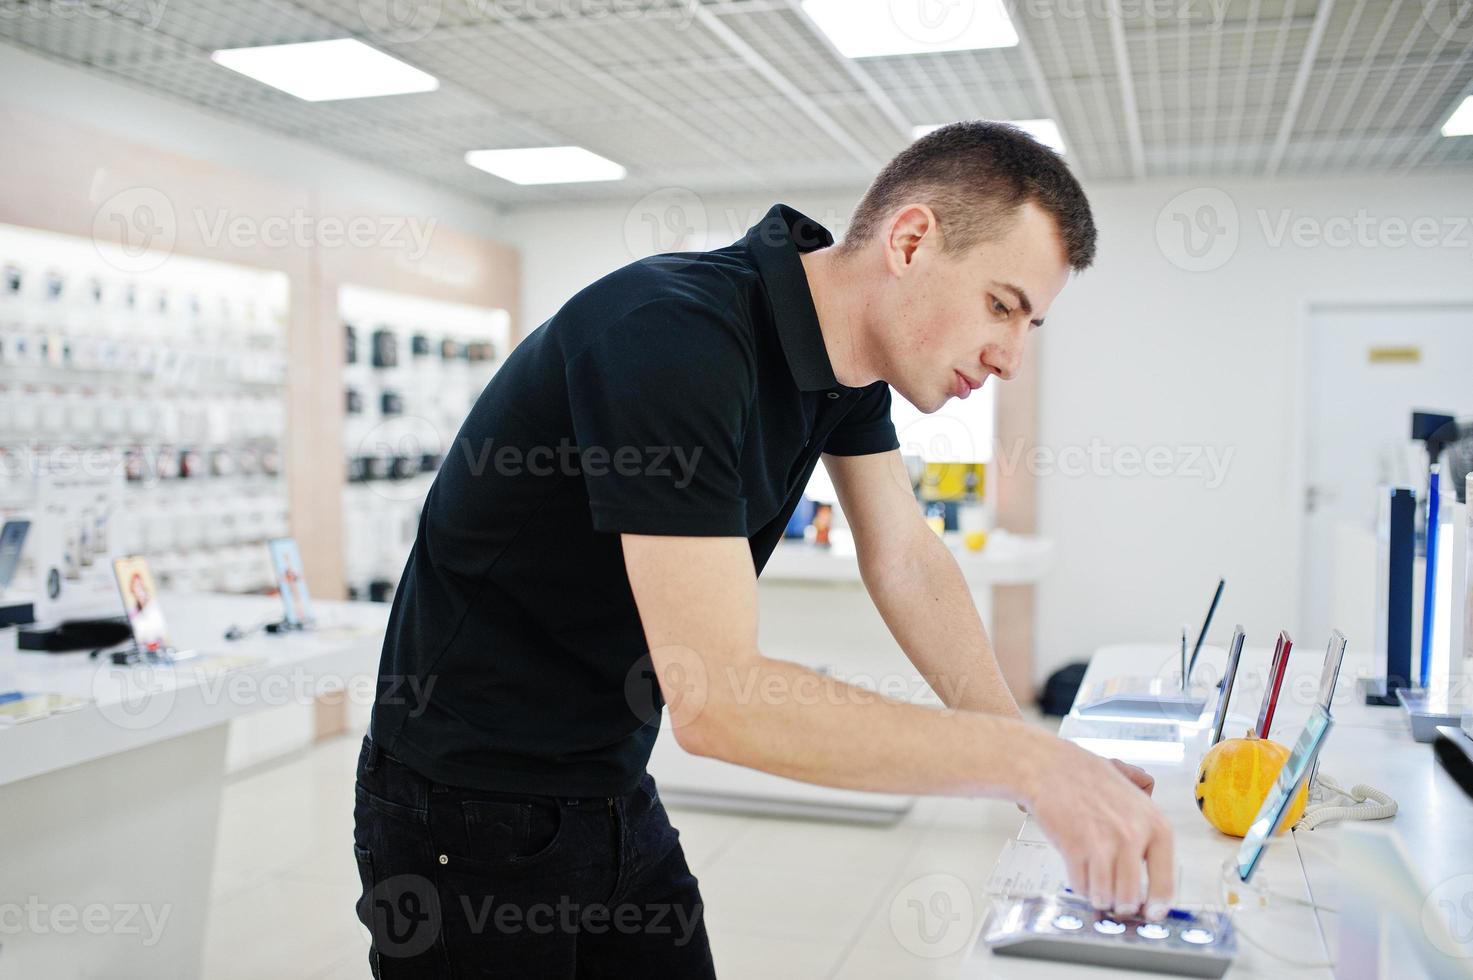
910, 228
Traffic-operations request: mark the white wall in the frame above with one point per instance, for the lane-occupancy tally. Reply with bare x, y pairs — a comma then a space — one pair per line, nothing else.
565, 249
1142, 352
1148, 353
57, 91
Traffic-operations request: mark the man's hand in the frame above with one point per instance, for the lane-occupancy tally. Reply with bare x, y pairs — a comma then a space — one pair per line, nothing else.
1136, 775
1094, 812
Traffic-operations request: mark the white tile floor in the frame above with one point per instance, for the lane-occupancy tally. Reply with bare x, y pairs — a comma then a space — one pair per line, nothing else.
784, 898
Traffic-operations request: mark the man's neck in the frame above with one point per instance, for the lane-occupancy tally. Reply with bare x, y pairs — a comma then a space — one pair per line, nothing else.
838, 302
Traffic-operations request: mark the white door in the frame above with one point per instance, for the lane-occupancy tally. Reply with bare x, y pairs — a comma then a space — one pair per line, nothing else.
1367, 369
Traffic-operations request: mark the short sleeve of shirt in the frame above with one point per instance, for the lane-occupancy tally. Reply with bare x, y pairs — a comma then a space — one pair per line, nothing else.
659, 403
866, 427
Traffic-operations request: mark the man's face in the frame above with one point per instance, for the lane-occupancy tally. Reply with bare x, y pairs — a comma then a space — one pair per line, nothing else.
953, 319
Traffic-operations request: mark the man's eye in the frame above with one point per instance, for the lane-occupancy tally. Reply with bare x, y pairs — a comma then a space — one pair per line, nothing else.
1000, 309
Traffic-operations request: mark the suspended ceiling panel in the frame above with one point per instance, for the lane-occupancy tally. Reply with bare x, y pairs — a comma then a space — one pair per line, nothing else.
733, 95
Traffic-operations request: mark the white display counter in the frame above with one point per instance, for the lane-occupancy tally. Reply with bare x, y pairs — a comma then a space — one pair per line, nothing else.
1368, 745
110, 810
813, 610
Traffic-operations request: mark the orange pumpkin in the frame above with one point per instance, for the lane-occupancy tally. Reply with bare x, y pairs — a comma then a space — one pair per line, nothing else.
1234, 779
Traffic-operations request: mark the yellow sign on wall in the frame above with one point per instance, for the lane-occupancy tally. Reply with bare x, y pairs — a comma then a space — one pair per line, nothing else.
1395, 355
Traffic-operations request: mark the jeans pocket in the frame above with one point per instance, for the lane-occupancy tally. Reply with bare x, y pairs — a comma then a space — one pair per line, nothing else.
402, 913
364, 905
503, 833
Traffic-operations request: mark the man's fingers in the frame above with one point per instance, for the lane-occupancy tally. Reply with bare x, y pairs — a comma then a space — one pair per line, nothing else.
1079, 876
1127, 881
1160, 872
1101, 881
1136, 775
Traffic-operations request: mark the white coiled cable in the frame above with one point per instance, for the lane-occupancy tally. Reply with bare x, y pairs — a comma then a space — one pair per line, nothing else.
1366, 803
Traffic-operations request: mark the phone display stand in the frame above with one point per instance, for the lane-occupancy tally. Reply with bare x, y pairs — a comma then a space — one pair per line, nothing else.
1155, 698
1380, 691
1427, 710
1142, 698
1396, 551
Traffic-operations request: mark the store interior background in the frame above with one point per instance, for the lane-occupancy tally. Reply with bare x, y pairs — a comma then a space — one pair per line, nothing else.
1140, 351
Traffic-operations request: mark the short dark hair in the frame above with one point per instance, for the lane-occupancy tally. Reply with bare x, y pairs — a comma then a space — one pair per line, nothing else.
975, 175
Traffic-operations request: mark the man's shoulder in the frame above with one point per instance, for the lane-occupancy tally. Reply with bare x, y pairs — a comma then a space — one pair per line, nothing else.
685, 299
719, 284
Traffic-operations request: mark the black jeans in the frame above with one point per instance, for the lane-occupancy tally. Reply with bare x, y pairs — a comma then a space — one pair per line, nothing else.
462, 883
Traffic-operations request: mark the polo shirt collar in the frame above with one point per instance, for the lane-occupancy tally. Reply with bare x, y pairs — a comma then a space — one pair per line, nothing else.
775, 243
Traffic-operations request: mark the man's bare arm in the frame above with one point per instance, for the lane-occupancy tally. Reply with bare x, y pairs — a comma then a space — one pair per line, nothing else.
921, 593
917, 586
697, 600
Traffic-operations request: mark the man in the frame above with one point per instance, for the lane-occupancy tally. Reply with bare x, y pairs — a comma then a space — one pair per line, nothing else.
605, 511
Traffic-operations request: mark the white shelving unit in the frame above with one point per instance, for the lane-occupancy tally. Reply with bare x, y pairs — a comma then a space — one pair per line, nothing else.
413, 367
162, 374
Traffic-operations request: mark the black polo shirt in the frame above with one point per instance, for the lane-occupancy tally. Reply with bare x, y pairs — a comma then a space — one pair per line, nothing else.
684, 394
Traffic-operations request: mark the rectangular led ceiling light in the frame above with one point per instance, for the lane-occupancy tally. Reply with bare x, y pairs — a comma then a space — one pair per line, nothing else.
546, 165
876, 28
1046, 131
1460, 123
324, 71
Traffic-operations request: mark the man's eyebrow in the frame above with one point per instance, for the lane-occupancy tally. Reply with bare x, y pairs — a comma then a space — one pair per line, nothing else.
1023, 303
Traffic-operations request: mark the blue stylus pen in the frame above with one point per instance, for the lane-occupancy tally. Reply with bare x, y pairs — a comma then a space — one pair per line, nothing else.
1429, 587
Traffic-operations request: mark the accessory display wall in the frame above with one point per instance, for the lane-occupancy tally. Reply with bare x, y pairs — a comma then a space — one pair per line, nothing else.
168, 368
412, 368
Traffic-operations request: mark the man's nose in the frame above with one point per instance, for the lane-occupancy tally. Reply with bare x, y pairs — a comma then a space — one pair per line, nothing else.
1004, 361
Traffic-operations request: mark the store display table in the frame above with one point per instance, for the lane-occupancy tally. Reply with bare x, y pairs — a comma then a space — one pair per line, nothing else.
110, 810
1434, 825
